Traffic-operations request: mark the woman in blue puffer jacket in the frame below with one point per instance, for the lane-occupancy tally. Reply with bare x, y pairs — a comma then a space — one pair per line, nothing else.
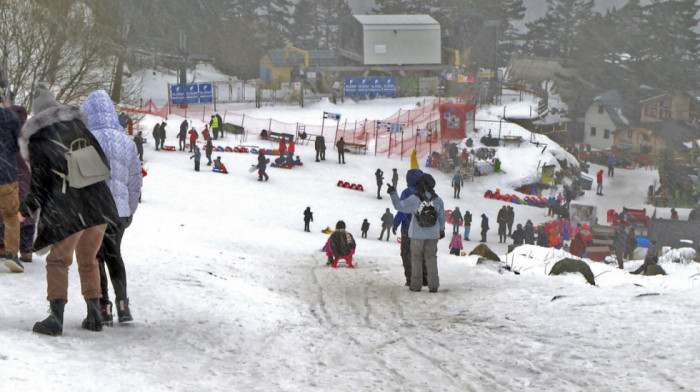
125, 185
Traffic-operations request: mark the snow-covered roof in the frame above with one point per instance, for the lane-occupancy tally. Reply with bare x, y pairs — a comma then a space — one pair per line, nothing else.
615, 106
408, 20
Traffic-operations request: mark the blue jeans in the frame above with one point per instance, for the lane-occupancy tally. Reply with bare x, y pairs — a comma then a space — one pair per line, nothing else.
466, 232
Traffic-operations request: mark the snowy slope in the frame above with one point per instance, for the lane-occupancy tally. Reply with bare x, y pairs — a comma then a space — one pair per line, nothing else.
229, 293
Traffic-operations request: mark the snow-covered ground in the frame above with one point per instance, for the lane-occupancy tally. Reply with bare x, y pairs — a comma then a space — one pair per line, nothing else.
229, 293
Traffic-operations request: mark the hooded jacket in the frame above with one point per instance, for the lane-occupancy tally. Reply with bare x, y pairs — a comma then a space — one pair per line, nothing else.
126, 178
401, 218
62, 214
9, 129
410, 206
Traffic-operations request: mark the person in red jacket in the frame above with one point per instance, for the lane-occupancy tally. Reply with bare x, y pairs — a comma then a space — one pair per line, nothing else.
205, 133
282, 148
290, 152
193, 138
599, 179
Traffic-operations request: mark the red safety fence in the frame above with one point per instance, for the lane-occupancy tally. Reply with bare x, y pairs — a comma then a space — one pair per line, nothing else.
367, 133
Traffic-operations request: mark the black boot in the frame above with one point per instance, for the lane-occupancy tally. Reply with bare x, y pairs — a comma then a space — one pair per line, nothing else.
93, 321
107, 318
123, 310
52, 325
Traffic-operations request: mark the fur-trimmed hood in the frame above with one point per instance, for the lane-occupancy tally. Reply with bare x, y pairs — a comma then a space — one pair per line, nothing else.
45, 118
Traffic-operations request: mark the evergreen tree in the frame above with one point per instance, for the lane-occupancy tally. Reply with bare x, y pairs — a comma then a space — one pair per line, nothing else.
554, 34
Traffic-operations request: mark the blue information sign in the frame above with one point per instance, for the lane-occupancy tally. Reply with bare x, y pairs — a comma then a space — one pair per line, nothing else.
363, 86
375, 87
177, 94
350, 87
192, 93
389, 88
205, 93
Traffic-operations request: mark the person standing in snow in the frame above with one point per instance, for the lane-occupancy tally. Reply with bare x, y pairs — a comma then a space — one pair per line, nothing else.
290, 152
125, 185
404, 220
193, 139
424, 239
365, 228
542, 238
214, 124
502, 221
611, 166
529, 232
262, 165
155, 134
282, 148
10, 126
138, 142
578, 246
510, 218
394, 178
197, 158
308, 217
620, 246
208, 148
379, 175
457, 183
71, 219
456, 217
484, 227
220, 122
340, 145
467, 224
456, 244
205, 133
387, 223
182, 135
320, 147
599, 180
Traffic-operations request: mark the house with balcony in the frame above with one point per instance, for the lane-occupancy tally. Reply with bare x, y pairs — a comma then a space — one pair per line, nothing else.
684, 106
649, 138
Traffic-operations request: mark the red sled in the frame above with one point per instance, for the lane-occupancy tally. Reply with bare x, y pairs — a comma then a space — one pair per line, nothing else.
228, 149
169, 148
347, 259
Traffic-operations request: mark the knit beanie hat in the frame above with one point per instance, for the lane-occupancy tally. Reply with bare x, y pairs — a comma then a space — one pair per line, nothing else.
425, 183
43, 99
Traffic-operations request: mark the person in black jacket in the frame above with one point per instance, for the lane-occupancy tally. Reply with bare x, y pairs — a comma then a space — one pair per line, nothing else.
262, 165
518, 235
652, 258
341, 243
320, 147
484, 227
542, 238
9, 186
308, 217
502, 221
208, 148
72, 220
510, 218
529, 232
340, 145
155, 134
379, 175
138, 141
365, 228
467, 224
183, 135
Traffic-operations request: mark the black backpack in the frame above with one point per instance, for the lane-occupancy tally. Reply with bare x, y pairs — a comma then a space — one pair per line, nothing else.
426, 216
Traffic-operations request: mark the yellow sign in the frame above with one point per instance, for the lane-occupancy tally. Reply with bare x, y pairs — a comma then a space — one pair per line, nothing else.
548, 174
486, 74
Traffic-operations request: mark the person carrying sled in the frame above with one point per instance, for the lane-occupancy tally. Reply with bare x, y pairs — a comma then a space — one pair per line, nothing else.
308, 217
262, 165
387, 224
340, 243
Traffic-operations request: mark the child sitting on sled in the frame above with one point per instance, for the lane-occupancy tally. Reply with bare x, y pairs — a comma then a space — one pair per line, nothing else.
340, 243
218, 166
